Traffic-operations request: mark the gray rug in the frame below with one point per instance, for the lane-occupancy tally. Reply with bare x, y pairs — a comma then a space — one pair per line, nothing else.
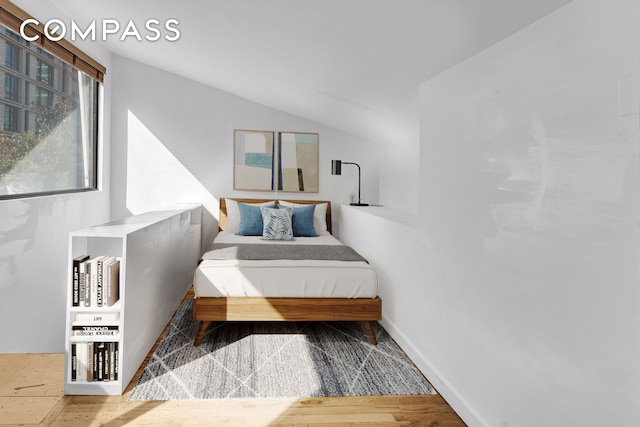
276, 359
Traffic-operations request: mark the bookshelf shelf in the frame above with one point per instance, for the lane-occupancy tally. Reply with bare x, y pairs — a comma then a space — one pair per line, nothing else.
114, 307
157, 253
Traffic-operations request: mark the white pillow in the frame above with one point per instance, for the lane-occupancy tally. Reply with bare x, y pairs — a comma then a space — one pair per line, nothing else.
233, 214
319, 215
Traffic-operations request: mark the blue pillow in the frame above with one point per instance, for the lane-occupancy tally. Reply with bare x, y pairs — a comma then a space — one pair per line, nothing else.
250, 219
303, 221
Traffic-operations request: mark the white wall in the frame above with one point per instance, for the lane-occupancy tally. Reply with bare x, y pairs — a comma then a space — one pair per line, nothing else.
34, 240
529, 200
413, 311
173, 142
399, 178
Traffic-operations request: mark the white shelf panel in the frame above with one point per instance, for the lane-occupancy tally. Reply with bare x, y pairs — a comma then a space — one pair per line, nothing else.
158, 253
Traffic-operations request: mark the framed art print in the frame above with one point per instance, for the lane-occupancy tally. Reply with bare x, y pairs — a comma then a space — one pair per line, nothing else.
253, 167
263, 162
297, 162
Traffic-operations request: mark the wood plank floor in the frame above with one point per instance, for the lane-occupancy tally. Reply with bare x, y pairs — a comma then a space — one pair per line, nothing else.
32, 393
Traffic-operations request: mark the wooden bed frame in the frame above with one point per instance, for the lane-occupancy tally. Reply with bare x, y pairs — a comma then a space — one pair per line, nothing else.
217, 309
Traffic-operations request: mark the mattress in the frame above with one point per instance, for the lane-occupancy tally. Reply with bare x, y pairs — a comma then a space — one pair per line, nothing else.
284, 278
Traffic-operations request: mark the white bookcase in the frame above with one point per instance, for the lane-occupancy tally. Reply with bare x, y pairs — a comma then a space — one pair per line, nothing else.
158, 253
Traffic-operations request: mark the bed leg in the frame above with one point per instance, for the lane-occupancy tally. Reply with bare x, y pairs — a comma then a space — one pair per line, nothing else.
370, 332
200, 334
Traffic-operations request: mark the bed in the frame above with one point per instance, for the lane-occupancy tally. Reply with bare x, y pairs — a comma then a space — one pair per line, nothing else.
247, 278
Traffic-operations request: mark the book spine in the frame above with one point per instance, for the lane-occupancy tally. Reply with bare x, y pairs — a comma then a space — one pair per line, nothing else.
95, 361
116, 360
74, 362
92, 334
81, 352
112, 360
99, 284
96, 318
82, 291
94, 283
100, 361
76, 284
105, 365
89, 360
87, 284
75, 278
95, 328
113, 283
81, 330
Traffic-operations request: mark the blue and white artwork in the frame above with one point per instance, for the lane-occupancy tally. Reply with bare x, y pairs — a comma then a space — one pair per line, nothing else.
298, 162
253, 160
264, 163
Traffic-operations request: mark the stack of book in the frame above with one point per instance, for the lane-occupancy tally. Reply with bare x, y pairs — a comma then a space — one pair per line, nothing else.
95, 281
94, 347
94, 361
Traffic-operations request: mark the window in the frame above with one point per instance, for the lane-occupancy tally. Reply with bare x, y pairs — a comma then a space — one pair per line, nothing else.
44, 98
12, 56
48, 139
44, 72
10, 119
13, 35
11, 87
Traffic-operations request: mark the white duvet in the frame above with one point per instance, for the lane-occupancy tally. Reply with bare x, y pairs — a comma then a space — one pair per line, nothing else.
284, 278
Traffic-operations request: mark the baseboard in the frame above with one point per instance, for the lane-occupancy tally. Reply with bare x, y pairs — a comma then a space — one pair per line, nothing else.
446, 390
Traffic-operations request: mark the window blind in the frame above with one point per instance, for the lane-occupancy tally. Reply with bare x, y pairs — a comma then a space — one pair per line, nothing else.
12, 16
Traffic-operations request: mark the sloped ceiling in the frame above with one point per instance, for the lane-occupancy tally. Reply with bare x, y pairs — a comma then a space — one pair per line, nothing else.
354, 65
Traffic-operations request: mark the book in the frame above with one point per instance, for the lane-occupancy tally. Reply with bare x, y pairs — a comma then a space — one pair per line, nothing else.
116, 361
95, 361
93, 262
112, 361
99, 360
87, 282
74, 362
106, 361
89, 360
110, 323
88, 328
97, 318
103, 263
99, 276
82, 291
95, 331
81, 357
94, 326
75, 275
113, 282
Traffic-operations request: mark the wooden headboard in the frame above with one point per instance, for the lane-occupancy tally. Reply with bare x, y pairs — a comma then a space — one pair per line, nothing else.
222, 221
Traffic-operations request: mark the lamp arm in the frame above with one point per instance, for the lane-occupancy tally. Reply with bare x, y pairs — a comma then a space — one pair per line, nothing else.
359, 178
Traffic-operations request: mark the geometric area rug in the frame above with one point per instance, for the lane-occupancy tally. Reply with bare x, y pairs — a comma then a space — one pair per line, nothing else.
275, 359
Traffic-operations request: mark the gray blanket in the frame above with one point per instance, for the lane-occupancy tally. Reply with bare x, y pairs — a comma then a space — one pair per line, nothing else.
268, 251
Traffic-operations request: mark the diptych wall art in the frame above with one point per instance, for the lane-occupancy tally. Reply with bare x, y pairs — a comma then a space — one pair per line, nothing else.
253, 160
298, 162
269, 161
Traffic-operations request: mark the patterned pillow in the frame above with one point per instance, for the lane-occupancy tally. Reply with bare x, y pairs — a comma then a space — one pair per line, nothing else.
277, 224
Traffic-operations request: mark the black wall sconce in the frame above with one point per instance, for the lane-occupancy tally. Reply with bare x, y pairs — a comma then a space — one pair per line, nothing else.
336, 169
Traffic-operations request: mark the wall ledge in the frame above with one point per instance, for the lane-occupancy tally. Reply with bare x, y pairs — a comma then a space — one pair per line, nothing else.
395, 215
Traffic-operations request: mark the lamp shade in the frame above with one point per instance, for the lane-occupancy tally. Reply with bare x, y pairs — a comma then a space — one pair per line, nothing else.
336, 167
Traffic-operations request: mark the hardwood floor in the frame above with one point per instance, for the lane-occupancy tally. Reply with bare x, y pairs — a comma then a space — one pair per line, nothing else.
31, 393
